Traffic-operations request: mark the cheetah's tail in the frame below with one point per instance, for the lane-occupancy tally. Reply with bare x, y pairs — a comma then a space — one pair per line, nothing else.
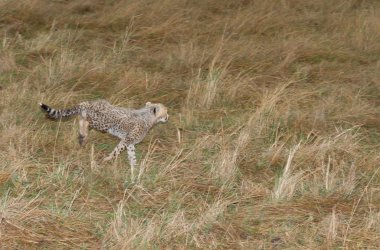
62, 113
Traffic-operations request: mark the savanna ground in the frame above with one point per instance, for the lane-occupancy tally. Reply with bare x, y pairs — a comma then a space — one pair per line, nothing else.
273, 139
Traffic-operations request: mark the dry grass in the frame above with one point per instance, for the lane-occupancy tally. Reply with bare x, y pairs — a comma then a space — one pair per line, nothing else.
273, 141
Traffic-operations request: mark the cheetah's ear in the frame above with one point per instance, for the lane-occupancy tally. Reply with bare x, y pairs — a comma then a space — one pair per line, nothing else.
148, 104
154, 110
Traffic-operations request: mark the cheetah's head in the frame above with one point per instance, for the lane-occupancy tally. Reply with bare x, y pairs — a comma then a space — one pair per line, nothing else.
159, 111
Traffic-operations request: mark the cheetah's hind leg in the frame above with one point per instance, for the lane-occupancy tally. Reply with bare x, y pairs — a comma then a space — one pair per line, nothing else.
83, 131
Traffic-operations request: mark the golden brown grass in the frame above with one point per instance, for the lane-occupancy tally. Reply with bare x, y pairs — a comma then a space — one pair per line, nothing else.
273, 139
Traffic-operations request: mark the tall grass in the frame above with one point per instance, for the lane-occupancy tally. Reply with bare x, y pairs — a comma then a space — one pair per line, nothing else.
273, 139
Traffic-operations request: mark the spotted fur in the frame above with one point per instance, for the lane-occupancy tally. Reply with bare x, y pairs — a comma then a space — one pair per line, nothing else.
129, 125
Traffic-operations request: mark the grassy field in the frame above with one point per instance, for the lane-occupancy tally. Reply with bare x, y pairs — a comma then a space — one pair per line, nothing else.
273, 139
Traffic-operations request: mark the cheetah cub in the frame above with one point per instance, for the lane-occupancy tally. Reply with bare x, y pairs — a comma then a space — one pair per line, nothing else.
130, 125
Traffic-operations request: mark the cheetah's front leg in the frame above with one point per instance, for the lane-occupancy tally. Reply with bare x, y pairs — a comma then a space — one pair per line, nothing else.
120, 147
131, 154
132, 159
